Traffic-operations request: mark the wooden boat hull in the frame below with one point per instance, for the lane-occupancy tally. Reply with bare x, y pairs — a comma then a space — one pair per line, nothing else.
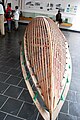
46, 54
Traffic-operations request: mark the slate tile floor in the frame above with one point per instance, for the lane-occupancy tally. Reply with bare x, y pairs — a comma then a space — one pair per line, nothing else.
15, 101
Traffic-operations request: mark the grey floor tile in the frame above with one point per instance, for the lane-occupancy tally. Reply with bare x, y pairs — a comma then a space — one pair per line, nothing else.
25, 96
2, 115
75, 86
74, 109
3, 87
22, 84
34, 116
71, 96
3, 77
65, 107
76, 75
66, 117
2, 100
20, 74
78, 118
12, 106
4, 69
13, 80
12, 62
78, 97
14, 72
12, 118
13, 91
40, 117
28, 112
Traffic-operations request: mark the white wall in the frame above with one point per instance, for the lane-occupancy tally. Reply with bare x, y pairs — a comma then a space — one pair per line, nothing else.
73, 15
13, 3
75, 18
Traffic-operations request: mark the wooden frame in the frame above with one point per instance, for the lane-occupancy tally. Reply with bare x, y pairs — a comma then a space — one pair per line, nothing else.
45, 53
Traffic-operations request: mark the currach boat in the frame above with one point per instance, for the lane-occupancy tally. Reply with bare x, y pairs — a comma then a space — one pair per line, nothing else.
45, 55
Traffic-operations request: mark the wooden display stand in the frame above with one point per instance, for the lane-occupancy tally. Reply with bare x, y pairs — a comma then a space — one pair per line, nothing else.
45, 55
66, 24
30, 19
25, 18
